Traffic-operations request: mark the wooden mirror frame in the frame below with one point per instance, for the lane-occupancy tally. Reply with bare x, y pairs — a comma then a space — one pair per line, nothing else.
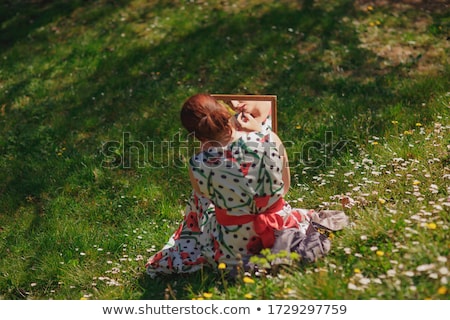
253, 97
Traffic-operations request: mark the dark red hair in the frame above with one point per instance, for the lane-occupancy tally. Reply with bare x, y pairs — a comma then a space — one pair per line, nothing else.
206, 118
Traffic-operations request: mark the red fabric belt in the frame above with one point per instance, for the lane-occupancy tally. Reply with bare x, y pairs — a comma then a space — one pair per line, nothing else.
264, 222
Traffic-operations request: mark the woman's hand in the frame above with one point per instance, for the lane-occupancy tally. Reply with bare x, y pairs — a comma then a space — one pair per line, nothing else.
248, 123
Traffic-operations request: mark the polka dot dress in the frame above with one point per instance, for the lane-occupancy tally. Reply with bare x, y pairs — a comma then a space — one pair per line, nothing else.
242, 208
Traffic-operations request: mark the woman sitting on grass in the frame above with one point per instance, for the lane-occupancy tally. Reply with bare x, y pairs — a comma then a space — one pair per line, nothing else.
239, 178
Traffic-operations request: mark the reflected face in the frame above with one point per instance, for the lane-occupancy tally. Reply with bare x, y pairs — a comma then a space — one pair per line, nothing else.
260, 107
246, 105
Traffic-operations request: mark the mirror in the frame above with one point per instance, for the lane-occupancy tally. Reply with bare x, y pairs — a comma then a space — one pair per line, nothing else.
262, 107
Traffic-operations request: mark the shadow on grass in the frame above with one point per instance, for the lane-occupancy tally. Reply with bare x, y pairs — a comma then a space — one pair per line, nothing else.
22, 17
179, 287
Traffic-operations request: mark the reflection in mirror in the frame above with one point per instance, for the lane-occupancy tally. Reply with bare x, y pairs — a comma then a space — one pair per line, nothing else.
261, 107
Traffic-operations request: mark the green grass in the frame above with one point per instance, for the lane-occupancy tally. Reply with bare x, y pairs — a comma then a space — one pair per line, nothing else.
363, 105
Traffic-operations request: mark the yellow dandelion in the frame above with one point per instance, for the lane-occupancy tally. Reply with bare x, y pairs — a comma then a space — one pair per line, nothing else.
381, 201
298, 127
369, 8
200, 298
84, 298
248, 280
372, 24
248, 296
416, 182
207, 295
380, 253
418, 124
394, 122
431, 226
377, 22
442, 290
356, 270
222, 266
374, 143
407, 132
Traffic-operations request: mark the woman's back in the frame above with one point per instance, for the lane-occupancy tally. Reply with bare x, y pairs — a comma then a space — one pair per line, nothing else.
244, 177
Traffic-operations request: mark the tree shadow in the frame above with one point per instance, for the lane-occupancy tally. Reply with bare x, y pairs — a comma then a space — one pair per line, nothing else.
30, 137
22, 17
